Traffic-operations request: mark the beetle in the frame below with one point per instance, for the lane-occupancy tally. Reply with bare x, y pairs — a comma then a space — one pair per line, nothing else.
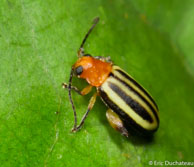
130, 107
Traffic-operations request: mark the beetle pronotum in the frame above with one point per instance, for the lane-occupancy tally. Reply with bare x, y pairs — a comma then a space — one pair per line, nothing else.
130, 107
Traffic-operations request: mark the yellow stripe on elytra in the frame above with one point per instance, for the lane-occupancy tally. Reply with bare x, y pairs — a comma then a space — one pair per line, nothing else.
116, 73
119, 102
135, 97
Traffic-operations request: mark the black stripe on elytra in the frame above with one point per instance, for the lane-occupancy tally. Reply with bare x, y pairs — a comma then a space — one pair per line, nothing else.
136, 84
137, 108
129, 123
137, 93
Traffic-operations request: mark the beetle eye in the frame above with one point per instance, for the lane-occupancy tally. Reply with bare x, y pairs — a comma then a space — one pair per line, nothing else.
79, 70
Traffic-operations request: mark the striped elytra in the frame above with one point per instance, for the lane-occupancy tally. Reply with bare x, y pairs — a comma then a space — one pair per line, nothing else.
135, 107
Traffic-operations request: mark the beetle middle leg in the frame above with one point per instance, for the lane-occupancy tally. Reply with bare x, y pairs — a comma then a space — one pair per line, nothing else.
90, 106
105, 59
115, 121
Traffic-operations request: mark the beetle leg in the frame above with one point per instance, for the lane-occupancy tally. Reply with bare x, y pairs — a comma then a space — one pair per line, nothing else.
105, 59
108, 59
86, 90
90, 106
116, 122
83, 92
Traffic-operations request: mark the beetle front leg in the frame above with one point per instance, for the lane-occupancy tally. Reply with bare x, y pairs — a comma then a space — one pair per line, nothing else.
83, 92
90, 106
115, 121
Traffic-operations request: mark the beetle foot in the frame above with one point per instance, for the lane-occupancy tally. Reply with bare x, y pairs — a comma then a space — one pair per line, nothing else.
74, 129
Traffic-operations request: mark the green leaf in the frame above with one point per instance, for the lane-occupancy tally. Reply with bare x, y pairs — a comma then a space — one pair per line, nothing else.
152, 40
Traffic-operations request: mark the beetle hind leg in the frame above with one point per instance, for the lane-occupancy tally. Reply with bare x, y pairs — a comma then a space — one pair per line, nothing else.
115, 121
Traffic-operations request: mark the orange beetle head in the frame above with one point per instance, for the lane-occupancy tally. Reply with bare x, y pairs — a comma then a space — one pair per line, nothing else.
95, 71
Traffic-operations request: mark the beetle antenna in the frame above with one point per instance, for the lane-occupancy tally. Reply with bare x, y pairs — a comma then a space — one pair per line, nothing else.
70, 98
95, 21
